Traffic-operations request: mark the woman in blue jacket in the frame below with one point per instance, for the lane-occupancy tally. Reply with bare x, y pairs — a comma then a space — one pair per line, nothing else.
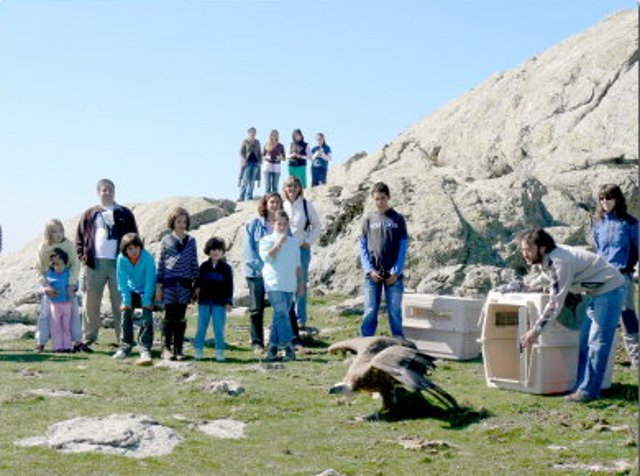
616, 237
254, 230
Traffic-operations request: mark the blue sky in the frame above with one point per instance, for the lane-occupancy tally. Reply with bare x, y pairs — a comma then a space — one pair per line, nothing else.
157, 95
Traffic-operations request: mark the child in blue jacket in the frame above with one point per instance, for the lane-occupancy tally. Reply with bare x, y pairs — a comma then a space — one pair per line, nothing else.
136, 270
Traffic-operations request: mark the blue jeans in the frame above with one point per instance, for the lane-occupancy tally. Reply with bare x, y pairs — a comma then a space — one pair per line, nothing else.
218, 315
629, 317
372, 297
318, 176
281, 333
301, 300
596, 337
271, 180
248, 181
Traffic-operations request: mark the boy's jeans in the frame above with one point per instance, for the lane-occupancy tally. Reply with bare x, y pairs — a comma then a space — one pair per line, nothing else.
281, 334
248, 181
218, 315
596, 337
372, 297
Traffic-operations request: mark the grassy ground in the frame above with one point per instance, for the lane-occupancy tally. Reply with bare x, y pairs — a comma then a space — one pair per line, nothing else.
294, 426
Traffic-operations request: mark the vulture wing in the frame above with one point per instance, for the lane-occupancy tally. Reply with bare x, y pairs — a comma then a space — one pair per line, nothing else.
372, 345
410, 369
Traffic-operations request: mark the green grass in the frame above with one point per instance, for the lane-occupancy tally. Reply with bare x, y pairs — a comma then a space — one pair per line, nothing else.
294, 426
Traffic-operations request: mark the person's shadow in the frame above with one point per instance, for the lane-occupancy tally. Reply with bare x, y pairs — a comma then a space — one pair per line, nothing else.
625, 392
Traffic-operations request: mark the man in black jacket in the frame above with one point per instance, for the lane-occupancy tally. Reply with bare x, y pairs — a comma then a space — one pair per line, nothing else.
97, 240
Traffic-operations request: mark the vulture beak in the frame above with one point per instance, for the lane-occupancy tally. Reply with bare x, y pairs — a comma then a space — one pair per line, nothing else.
341, 388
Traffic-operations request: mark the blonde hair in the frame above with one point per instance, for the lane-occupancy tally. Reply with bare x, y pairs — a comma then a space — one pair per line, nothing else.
273, 140
48, 230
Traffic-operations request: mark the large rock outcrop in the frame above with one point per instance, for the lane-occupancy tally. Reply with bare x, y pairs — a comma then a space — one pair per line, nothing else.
528, 147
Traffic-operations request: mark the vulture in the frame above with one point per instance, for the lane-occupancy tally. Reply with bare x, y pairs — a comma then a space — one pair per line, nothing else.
397, 370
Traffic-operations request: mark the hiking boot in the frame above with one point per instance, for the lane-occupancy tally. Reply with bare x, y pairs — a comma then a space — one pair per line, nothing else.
219, 355
289, 354
272, 354
578, 397
120, 354
199, 355
145, 358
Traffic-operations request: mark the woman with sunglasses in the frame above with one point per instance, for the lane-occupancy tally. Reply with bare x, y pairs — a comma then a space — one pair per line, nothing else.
616, 237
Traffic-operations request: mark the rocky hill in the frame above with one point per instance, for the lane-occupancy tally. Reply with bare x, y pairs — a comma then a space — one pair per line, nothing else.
528, 147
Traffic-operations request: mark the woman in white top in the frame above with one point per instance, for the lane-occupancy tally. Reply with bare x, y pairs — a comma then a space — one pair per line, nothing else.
306, 228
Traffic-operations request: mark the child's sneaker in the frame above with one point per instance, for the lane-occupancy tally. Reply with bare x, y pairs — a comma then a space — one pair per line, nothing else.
289, 354
199, 354
145, 358
39, 349
219, 355
272, 354
120, 354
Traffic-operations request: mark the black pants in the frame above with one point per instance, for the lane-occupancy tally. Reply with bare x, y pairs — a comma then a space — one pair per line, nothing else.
256, 310
174, 326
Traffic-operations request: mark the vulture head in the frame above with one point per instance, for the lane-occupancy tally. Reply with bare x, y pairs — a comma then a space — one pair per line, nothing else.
398, 371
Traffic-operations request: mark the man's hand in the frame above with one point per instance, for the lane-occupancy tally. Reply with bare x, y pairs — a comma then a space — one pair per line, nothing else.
529, 339
391, 279
228, 307
159, 293
124, 307
376, 277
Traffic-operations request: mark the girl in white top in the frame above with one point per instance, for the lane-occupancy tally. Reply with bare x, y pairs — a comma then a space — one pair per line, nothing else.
306, 228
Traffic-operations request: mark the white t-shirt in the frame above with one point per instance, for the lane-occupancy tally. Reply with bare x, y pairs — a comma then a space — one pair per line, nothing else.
105, 240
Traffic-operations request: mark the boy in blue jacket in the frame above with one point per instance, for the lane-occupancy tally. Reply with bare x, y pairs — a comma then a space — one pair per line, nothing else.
383, 249
136, 270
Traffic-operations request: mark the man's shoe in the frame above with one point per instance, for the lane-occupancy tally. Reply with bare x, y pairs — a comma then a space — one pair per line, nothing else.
578, 397
145, 358
120, 354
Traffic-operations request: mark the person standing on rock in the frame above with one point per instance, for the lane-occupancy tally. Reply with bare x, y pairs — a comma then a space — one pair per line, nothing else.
298, 155
273, 155
254, 231
54, 238
250, 160
567, 268
177, 270
97, 242
320, 157
383, 249
306, 228
616, 237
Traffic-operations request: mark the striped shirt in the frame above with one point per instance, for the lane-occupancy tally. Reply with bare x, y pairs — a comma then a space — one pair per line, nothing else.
177, 268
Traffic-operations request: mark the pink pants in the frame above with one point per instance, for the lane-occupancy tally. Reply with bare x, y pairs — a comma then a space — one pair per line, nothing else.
60, 320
